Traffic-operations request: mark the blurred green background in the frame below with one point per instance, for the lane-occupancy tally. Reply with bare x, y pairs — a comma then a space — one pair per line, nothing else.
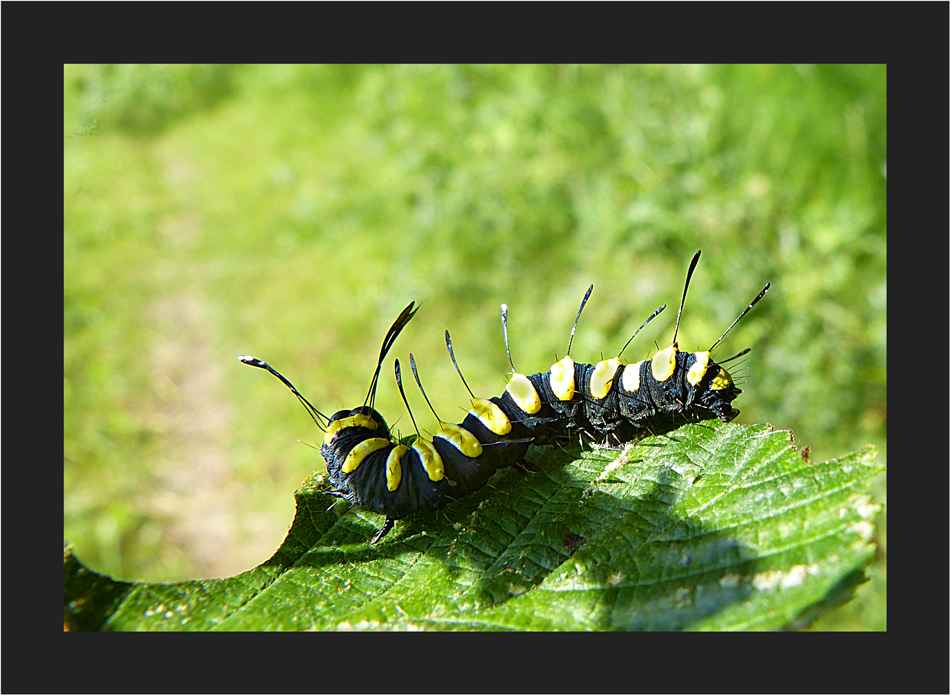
291, 212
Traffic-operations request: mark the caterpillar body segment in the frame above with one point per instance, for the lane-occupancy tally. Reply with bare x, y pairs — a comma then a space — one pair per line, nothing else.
368, 466
368, 483
420, 485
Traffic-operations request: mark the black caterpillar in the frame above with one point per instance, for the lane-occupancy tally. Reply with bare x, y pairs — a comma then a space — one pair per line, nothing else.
367, 466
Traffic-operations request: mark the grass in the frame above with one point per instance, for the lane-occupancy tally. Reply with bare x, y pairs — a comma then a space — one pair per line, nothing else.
291, 212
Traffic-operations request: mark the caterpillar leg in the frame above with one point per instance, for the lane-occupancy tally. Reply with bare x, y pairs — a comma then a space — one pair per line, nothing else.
387, 527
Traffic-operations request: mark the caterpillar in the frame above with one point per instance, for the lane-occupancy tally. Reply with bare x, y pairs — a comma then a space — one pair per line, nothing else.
367, 466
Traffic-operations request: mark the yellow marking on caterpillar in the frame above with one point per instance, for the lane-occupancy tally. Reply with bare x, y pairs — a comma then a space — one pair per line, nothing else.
431, 461
461, 439
562, 379
491, 416
603, 377
663, 363
344, 422
524, 394
698, 370
394, 467
722, 380
359, 453
631, 377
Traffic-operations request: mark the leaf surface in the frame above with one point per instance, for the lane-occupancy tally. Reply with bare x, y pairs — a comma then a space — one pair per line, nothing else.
710, 526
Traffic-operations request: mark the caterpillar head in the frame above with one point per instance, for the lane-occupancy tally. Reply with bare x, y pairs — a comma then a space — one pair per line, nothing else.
718, 394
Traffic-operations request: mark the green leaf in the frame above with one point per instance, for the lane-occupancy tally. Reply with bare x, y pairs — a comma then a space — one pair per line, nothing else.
710, 526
